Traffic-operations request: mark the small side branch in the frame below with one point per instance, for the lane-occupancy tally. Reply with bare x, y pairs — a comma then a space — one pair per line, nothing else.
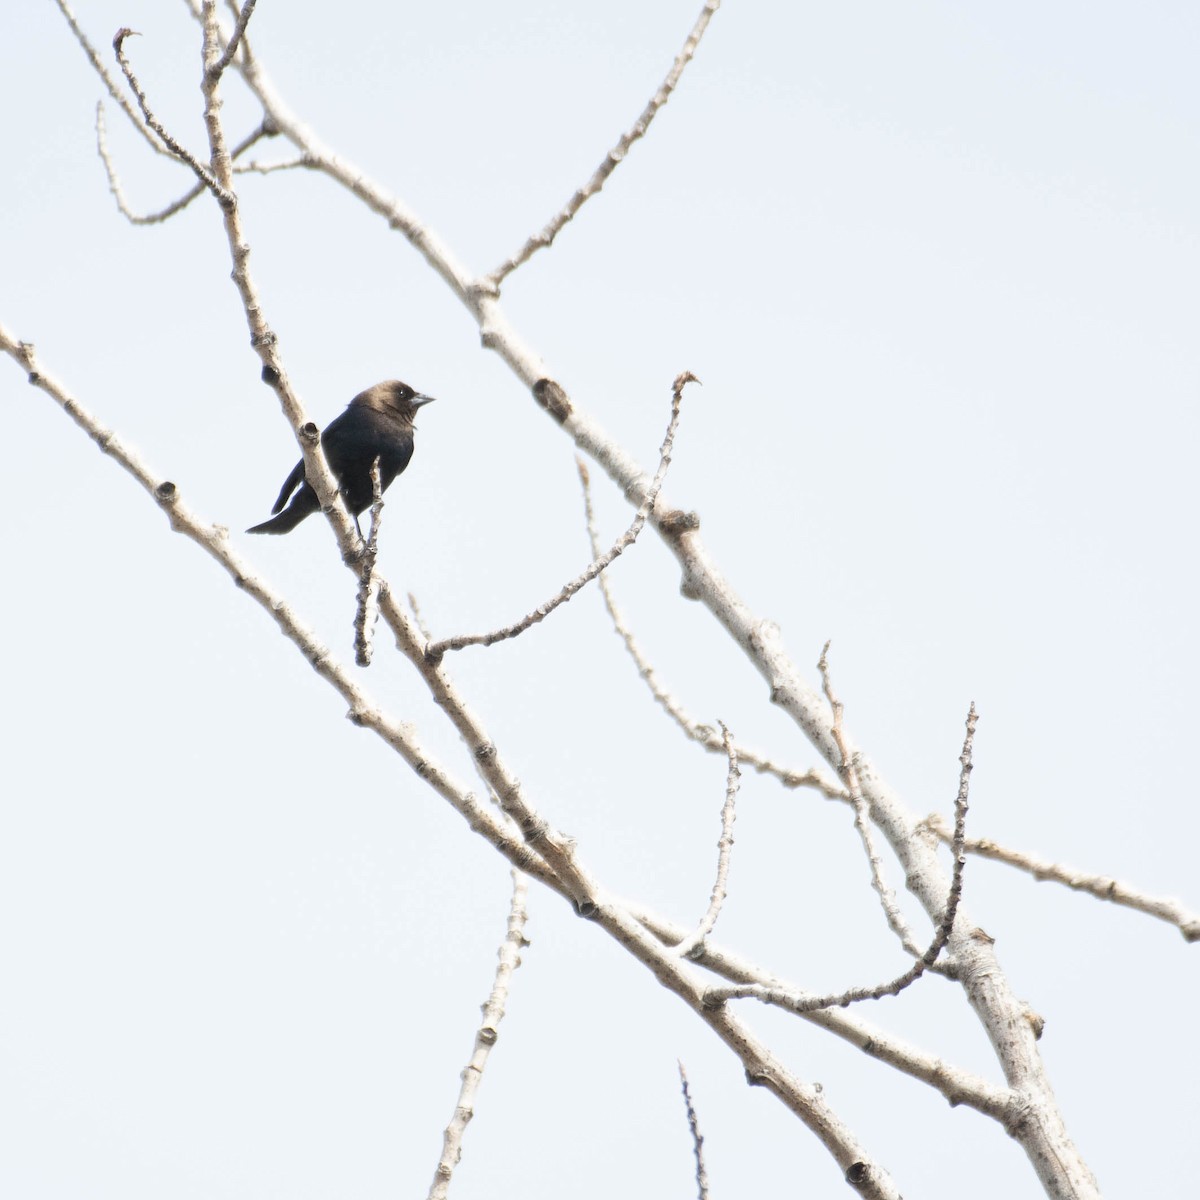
302, 162
800, 1002
697, 1137
694, 945
485, 1038
615, 156
418, 620
1101, 887
217, 68
198, 189
706, 735
848, 769
438, 649
109, 82
956, 1085
205, 176
367, 613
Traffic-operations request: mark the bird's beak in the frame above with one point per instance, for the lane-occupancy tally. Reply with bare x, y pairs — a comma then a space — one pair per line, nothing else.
418, 400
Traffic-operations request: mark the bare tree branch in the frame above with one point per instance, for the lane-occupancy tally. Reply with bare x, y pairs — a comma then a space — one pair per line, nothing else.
597, 565
848, 770
614, 157
805, 1002
254, 167
706, 735
198, 189
177, 148
110, 83
697, 1138
217, 68
1102, 887
418, 620
367, 612
956, 1085
689, 946
485, 1038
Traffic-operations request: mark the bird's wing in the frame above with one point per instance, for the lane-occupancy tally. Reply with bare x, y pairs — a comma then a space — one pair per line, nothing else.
290, 484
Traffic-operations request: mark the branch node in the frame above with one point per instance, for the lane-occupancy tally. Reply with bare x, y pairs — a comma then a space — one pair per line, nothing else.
858, 1175
553, 398
485, 288
677, 522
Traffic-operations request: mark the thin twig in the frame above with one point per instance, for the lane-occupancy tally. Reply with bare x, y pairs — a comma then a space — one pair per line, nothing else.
966, 763
697, 1137
438, 649
804, 1002
184, 155
367, 610
254, 167
694, 945
705, 735
198, 189
110, 83
418, 620
1101, 887
217, 69
956, 1085
611, 160
509, 955
848, 769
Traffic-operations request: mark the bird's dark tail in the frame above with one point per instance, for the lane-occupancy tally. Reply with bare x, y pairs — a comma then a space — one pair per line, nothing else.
304, 504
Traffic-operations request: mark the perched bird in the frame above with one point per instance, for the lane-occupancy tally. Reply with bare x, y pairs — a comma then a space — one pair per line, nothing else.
377, 423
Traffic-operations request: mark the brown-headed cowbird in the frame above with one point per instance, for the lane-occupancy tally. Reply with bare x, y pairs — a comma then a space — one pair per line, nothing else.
377, 423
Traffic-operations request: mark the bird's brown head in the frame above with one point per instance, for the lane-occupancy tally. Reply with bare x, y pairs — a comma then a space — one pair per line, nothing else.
393, 398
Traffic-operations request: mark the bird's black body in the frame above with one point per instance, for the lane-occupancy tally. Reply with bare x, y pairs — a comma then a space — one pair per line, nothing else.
377, 423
